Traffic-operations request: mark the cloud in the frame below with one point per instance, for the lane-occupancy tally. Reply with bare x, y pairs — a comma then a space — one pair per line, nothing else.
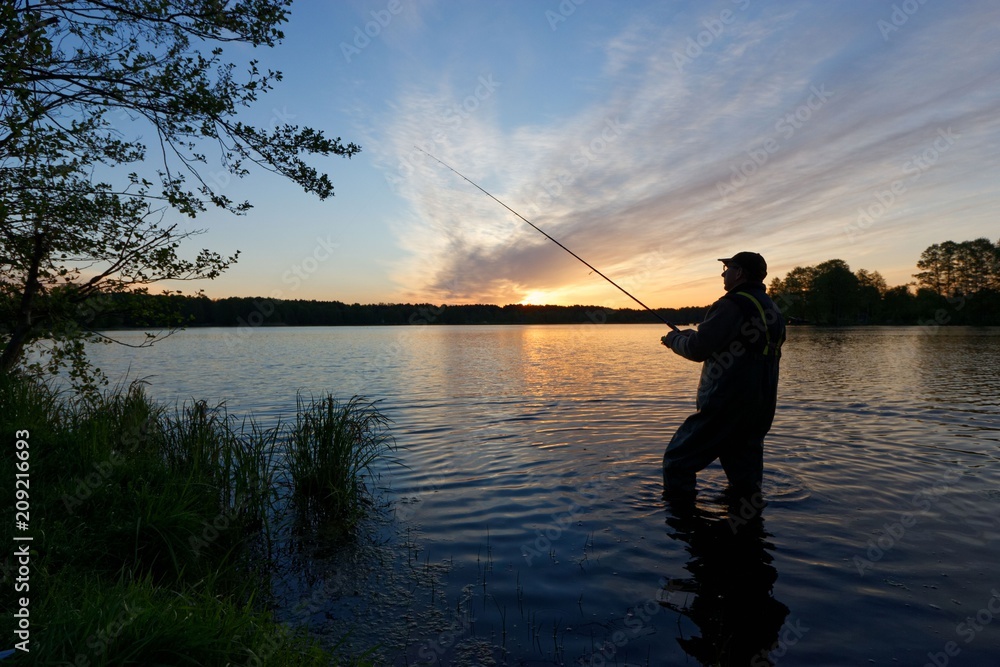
772, 137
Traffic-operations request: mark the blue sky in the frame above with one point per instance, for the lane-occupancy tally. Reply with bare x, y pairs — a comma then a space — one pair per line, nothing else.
650, 138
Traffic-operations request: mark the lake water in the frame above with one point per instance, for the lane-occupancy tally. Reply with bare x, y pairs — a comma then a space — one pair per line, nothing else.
527, 527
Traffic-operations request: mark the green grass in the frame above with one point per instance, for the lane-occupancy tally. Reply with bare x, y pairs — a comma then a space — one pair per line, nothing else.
148, 525
240, 463
332, 449
134, 621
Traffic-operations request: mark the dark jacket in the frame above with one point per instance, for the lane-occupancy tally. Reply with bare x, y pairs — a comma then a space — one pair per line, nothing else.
740, 345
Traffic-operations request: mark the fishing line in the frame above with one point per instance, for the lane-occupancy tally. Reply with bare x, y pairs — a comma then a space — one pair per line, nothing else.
588, 264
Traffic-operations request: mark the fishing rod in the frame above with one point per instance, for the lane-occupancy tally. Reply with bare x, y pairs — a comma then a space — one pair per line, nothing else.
538, 229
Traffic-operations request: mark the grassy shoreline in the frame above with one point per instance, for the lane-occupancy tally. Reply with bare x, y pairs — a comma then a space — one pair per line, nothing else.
151, 529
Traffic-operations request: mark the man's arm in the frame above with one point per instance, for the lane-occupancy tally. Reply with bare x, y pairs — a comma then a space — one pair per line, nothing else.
713, 335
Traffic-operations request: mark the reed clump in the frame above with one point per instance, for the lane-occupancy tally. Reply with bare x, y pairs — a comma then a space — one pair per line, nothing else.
150, 528
331, 452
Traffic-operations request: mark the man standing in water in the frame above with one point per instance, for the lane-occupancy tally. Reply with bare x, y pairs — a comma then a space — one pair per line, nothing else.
740, 345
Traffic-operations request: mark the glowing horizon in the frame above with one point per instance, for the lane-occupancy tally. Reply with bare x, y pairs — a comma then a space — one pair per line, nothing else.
649, 139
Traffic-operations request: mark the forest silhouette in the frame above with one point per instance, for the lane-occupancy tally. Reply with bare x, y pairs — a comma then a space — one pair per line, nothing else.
956, 283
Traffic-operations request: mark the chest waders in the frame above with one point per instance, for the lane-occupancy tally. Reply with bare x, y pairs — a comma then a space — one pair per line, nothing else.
732, 430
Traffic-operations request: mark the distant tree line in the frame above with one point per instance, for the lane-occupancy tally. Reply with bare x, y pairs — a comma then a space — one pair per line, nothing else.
957, 283
145, 310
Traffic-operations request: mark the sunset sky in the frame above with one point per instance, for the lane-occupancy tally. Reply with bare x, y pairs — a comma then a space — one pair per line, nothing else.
650, 138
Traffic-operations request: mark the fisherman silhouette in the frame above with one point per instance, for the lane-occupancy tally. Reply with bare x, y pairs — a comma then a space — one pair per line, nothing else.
739, 346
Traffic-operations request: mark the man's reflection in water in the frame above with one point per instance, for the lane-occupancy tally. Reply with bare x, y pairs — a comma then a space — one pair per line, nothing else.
729, 592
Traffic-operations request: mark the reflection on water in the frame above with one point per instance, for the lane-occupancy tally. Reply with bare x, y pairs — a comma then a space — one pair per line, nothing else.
528, 525
729, 594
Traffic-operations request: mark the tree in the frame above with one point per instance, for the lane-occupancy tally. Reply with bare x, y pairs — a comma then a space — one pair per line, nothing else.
872, 288
795, 291
829, 293
834, 293
963, 269
975, 266
80, 82
899, 305
995, 268
937, 264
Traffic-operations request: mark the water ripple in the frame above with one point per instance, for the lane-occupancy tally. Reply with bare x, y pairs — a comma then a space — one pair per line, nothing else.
530, 497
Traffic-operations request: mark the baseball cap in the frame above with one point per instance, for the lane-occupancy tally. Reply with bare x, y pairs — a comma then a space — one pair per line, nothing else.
751, 262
